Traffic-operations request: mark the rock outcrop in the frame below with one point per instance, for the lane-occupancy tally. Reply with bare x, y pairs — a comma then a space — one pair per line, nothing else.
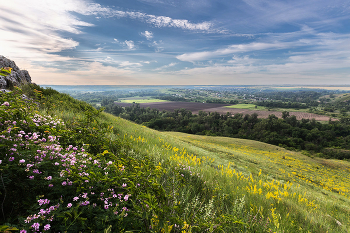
16, 77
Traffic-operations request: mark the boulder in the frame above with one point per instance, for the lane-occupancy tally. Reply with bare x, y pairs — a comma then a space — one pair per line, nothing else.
16, 77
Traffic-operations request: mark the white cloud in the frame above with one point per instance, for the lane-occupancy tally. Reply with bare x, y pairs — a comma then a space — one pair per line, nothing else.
147, 34
124, 64
30, 30
240, 48
129, 64
130, 44
296, 41
324, 57
157, 21
166, 66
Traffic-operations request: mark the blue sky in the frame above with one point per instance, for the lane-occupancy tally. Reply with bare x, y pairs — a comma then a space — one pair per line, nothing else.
178, 42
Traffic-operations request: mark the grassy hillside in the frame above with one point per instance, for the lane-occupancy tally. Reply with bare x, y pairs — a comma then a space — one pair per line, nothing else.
106, 174
300, 193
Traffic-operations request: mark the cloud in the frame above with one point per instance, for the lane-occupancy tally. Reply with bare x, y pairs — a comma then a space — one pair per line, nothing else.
147, 34
130, 44
157, 21
306, 39
32, 30
129, 64
124, 64
306, 54
127, 43
87, 73
240, 48
262, 14
166, 66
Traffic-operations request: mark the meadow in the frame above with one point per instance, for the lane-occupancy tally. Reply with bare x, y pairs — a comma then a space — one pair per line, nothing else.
141, 100
246, 106
295, 192
67, 167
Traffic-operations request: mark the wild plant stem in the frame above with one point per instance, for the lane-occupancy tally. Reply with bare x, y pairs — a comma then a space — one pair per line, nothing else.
2, 204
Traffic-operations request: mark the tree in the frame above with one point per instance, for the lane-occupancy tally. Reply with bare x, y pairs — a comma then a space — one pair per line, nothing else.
285, 114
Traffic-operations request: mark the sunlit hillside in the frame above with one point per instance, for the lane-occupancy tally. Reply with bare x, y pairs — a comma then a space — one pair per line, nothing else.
75, 169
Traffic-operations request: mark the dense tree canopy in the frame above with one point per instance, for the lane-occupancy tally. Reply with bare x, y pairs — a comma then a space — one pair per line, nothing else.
288, 132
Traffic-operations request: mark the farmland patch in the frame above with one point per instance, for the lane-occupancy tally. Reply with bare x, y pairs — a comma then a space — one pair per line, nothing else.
222, 109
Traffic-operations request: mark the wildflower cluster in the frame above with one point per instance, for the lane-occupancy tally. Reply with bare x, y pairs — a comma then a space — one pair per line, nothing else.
62, 187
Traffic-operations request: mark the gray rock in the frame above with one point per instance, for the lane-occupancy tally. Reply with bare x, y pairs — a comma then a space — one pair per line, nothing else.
3, 82
4, 90
17, 76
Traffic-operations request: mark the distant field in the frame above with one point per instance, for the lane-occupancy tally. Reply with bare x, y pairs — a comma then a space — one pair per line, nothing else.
222, 109
141, 101
171, 106
246, 106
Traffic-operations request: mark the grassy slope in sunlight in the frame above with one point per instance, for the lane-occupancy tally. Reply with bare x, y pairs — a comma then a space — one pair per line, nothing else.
318, 189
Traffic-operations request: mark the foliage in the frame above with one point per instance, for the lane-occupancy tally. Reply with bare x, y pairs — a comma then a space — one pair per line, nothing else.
51, 184
4, 71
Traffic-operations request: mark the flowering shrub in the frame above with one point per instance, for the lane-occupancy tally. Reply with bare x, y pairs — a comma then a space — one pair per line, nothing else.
52, 185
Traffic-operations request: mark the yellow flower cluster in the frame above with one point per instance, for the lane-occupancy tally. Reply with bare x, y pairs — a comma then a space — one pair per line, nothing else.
302, 170
182, 157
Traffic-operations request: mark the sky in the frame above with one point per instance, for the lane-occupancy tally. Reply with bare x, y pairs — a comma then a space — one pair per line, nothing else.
178, 42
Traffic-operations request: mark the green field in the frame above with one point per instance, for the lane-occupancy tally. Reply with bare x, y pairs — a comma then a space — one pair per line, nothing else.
141, 101
247, 106
255, 107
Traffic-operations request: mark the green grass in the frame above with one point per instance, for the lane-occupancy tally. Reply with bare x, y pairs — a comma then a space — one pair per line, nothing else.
317, 180
247, 106
141, 101
261, 108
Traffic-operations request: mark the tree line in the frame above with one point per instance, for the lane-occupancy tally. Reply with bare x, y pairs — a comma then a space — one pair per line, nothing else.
330, 140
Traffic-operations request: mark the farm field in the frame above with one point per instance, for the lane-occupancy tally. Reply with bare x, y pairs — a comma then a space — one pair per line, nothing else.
247, 106
171, 106
141, 100
265, 114
222, 109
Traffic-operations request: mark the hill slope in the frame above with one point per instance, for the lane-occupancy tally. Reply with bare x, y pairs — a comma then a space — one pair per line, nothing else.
149, 181
317, 188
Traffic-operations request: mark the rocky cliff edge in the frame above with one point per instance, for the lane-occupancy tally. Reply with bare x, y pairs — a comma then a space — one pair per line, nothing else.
13, 78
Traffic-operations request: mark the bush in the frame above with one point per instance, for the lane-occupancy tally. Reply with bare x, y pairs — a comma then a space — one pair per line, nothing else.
48, 183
